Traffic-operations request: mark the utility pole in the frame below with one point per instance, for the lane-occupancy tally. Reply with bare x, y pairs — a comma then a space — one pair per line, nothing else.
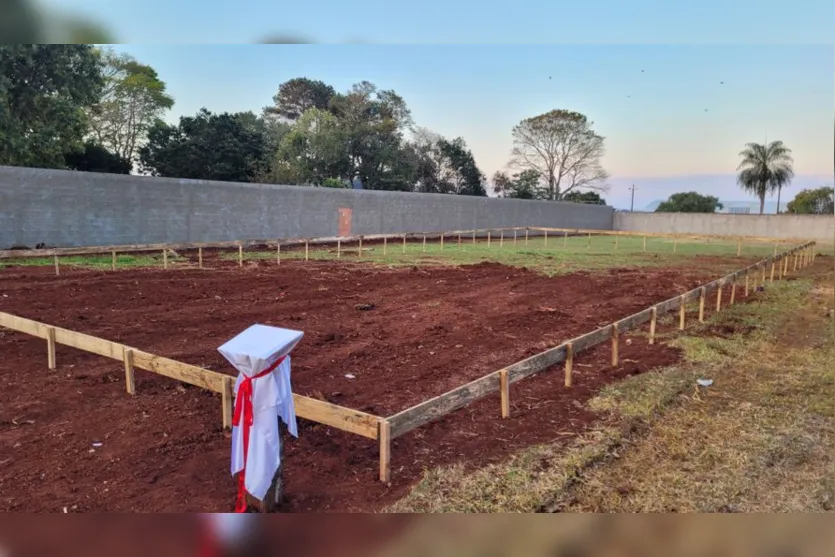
632, 206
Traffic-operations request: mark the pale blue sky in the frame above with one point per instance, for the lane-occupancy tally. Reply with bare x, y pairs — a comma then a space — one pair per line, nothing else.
654, 120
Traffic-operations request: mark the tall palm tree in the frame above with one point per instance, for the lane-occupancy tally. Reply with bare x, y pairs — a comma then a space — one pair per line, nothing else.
765, 168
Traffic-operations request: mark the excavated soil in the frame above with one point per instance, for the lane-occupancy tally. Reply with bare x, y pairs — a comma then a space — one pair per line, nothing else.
403, 335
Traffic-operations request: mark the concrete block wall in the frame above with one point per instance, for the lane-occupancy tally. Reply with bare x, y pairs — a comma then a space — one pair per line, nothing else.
66, 209
820, 228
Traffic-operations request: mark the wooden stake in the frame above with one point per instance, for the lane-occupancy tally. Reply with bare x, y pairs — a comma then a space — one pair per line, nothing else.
442, 240
384, 436
424, 242
733, 292
565, 239
404, 243
130, 381
526, 236
514, 237
546, 238
775, 249
489, 234
504, 387
359, 252
460, 245
385, 244
569, 362
50, 347
112, 260
501, 239
165, 259
771, 279
763, 281
240, 255
338, 248
473, 236
719, 297
57, 270
200, 258
615, 358
227, 401
306, 250
277, 253
682, 310
702, 293
589, 246
786, 265
794, 262
746, 284
652, 319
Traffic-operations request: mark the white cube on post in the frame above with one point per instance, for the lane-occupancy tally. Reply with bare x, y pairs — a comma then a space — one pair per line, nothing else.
261, 354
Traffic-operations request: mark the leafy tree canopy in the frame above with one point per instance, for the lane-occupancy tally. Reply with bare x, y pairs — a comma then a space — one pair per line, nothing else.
818, 201
690, 202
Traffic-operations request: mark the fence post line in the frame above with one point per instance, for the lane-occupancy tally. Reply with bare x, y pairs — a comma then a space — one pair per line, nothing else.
615, 340
200, 257
50, 347
772, 272
569, 362
733, 291
338, 248
384, 436
652, 319
240, 255
682, 311
702, 294
112, 260
504, 387
719, 296
277, 253
57, 269
489, 237
442, 241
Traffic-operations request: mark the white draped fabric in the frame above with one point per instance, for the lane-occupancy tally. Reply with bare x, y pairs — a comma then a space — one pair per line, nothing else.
252, 352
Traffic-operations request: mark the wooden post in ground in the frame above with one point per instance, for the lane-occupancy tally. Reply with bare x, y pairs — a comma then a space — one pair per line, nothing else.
780, 266
615, 340
165, 259
442, 240
786, 265
504, 387
130, 381
546, 238
746, 284
50, 347
501, 238
277, 253
306, 250
719, 296
227, 401
589, 245
200, 258
240, 255
565, 239
57, 269
404, 243
775, 249
489, 237
338, 248
702, 293
763, 281
682, 310
794, 262
473, 237
112, 260
359, 250
733, 291
514, 237
460, 245
384, 436
771, 279
385, 245
652, 319
569, 362
526, 236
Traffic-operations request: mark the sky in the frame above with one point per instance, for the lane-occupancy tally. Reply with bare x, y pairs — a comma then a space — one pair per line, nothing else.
675, 116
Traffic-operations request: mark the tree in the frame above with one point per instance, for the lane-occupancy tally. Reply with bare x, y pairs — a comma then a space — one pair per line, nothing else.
44, 92
689, 202
206, 146
315, 149
298, 95
764, 169
133, 99
95, 158
563, 148
588, 197
522, 185
444, 166
817, 201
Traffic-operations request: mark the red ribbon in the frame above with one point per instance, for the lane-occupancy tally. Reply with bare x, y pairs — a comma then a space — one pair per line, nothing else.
243, 418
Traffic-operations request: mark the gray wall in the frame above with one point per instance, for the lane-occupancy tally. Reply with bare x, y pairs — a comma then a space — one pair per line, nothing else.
807, 227
66, 208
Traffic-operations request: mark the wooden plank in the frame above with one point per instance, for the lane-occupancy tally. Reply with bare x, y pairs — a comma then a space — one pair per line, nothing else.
702, 292
384, 434
193, 375
634, 320
227, 401
615, 340
439, 406
569, 363
89, 343
23, 325
733, 293
719, 298
339, 417
591, 339
536, 363
200, 258
504, 389
130, 380
50, 347
682, 312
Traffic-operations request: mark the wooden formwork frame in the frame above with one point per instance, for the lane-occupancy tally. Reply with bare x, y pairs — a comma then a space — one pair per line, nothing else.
383, 430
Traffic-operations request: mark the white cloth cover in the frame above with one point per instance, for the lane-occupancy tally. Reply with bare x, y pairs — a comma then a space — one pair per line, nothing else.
251, 352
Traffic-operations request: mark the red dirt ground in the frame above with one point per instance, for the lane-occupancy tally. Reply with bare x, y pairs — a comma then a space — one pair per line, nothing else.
432, 329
